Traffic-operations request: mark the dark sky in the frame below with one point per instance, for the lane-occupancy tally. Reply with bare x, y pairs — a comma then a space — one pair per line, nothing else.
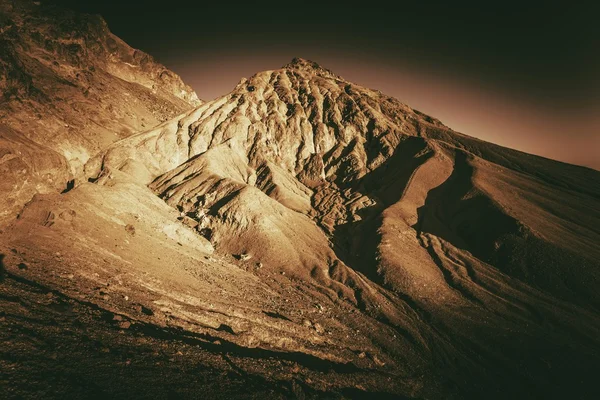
523, 76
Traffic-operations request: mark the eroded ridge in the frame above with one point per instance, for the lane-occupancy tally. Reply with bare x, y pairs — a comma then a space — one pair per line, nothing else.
307, 218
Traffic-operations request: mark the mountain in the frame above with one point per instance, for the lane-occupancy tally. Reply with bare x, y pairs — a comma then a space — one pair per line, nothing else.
303, 236
355, 162
69, 88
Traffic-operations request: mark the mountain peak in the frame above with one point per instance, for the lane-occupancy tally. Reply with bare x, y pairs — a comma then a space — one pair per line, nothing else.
306, 65
299, 62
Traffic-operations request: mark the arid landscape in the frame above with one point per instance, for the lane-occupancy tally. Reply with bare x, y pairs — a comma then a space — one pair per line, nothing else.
298, 237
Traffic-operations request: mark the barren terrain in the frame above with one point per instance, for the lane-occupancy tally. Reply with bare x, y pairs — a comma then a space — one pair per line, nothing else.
300, 236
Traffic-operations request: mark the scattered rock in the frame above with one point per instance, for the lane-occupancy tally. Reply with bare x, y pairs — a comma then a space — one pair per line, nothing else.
124, 325
318, 328
130, 229
243, 256
377, 361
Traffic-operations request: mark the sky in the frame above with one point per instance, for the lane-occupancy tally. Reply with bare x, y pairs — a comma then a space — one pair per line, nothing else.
525, 76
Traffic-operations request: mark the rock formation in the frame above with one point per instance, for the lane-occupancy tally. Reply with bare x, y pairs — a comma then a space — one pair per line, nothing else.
302, 236
69, 88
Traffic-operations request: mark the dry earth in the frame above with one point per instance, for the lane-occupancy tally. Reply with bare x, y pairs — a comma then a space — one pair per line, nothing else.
300, 236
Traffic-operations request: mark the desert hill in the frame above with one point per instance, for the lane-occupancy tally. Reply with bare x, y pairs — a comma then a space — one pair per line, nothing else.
302, 236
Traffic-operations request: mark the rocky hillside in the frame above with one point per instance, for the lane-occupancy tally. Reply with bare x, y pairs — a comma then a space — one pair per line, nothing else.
69, 88
303, 236
345, 158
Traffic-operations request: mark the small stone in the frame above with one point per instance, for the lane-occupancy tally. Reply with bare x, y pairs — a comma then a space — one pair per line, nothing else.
377, 361
319, 328
124, 325
243, 256
130, 229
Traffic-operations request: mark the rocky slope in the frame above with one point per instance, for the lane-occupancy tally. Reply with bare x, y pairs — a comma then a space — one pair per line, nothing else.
305, 236
344, 157
68, 88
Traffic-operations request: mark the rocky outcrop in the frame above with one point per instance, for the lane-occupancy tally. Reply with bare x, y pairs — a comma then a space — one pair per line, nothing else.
69, 88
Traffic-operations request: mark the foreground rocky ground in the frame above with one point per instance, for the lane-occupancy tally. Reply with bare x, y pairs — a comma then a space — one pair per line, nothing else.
58, 347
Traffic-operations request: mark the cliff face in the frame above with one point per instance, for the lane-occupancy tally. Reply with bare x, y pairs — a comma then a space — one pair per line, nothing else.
68, 88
